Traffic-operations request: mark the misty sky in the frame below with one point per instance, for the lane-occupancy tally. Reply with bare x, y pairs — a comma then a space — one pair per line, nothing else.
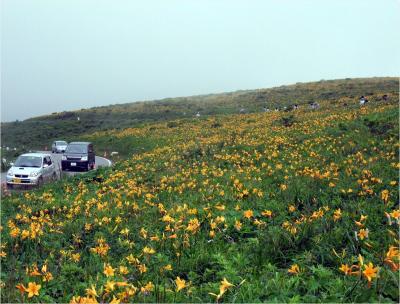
72, 54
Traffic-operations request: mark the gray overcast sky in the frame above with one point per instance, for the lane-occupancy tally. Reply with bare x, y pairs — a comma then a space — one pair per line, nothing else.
72, 54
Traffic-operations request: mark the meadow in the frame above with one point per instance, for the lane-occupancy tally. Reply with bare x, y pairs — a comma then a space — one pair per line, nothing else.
298, 206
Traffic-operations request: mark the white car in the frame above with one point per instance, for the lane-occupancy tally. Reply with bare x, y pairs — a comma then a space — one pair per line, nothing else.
32, 169
59, 146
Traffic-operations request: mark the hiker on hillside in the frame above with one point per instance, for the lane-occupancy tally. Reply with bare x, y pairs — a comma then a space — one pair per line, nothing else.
363, 100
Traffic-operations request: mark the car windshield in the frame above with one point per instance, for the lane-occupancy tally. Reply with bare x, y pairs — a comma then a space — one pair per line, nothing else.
28, 161
76, 149
61, 143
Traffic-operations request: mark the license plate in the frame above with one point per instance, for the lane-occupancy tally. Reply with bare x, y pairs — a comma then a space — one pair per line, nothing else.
73, 164
17, 180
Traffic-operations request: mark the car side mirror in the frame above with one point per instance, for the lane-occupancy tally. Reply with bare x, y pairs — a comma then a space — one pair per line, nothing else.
45, 165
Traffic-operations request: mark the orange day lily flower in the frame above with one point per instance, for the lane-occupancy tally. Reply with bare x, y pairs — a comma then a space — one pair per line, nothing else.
33, 289
180, 283
370, 272
294, 269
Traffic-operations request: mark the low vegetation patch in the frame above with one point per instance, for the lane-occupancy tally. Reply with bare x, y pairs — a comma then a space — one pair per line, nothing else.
250, 210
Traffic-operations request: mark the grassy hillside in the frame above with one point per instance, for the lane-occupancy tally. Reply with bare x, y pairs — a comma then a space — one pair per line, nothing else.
284, 206
38, 132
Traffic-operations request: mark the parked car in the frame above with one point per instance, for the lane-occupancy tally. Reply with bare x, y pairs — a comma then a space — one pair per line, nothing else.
32, 169
78, 155
59, 146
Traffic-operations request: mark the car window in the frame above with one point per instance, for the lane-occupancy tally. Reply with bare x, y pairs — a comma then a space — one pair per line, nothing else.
48, 160
28, 161
76, 149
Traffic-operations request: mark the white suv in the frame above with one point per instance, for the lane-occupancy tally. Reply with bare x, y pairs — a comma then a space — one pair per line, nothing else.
59, 146
32, 169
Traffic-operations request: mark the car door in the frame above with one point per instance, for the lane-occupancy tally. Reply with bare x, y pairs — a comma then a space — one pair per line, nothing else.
51, 167
46, 168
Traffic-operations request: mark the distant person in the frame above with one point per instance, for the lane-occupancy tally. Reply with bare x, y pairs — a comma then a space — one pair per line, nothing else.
385, 97
362, 100
314, 105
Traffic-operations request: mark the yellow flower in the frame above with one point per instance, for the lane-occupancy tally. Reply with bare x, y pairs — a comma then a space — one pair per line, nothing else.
346, 269
238, 225
21, 288
294, 269
123, 270
124, 231
225, 285
337, 214
14, 232
385, 196
115, 300
24, 234
395, 214
267, 213
360, 260
393, 254
91, 292
363, 233
193, 225
180, 283
370, 272
220, 207
47, 277
147, 288
32, 289
167, 267
283, 187
109, 286
108, 270
76, 257
167, 218
148, 250
292, 208
142, 268
248, 214
143, 233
